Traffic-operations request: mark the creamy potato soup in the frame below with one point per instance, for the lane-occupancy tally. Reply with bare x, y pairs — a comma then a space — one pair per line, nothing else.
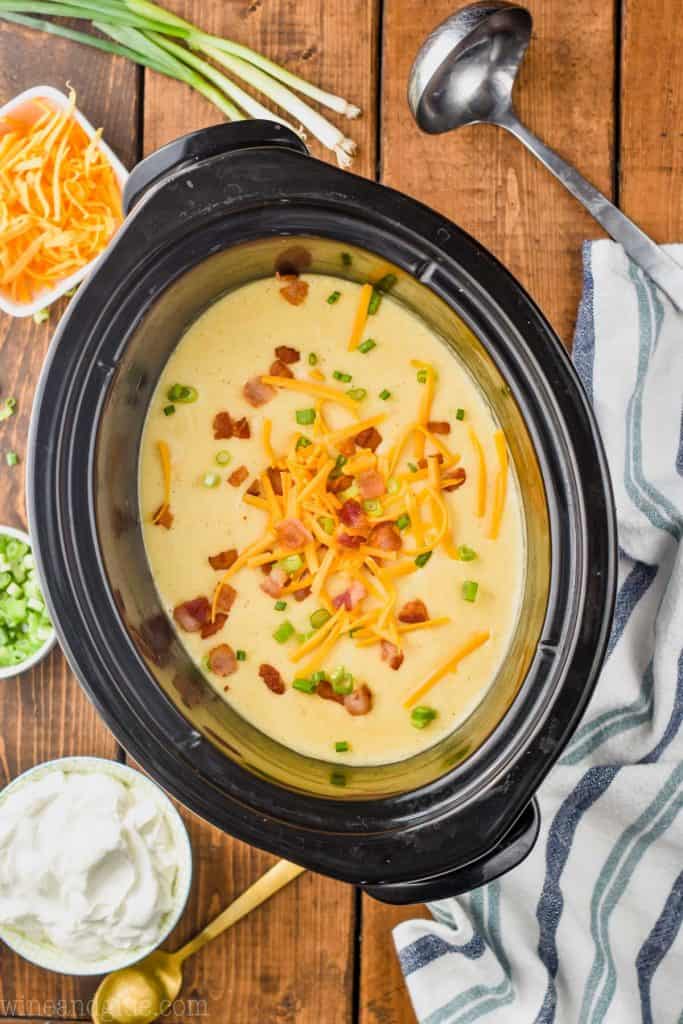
330, 518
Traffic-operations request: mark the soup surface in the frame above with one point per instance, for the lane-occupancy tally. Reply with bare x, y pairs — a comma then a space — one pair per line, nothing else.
338, 542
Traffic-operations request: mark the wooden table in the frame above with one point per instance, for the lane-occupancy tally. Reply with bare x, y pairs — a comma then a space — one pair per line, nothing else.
603, 83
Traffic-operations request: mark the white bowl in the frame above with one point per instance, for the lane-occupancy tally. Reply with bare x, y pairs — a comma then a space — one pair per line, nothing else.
48, 296
52, 959
8, 671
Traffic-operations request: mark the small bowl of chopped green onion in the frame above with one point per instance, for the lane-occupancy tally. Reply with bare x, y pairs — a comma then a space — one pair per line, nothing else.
26, 631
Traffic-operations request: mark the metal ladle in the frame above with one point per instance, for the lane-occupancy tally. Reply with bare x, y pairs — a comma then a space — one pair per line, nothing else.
464, 74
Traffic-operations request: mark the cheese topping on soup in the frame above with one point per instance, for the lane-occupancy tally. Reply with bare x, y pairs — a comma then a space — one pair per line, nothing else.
330, 518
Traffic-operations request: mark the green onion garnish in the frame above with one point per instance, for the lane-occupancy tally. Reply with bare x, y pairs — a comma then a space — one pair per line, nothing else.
303, 442
421, 376
8, 408
422, 559
466, 554
291, 563
318, 675
344, 377
312, 359
182, 393
280, 606
304, 417
367, 345
283, 632
304, 685
327, 523
374, 303
41, 316
342, 681
357, 394
319, 618
373, 506
11, 458
469, 590
460, 414
211, 479
223, 457
403, 521
384, 394
337, 778
241, 655
421, 716
412, 467
386, 283
169, 410
339, 464
24, 623
393, 486
341, 746
346, 259
333, 297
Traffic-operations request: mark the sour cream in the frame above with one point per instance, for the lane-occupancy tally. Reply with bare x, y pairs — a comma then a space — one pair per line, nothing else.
88, 864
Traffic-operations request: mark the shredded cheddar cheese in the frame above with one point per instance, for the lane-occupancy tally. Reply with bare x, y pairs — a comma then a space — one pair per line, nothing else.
500, 491
165, 456
475, 641
481, 473
360, 317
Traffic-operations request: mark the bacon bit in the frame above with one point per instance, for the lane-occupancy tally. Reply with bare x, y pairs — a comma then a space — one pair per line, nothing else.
275, 581
295, 291
222, 426
369, 438
350, 597
254, 488
324, 689
453, 479
348, 541
209, 628
292, 534
192, 615
423, 463
223, 560
301, 595
222, 660
238, 476
275, 477
240, 428
351, 514
359, 702
257, 393
272, 678
287, 355
339, 484
392, 654
279, 369
413, 611
163, 517
226, 599
266, 568
371, 484
386, 537
439, 427
347, 447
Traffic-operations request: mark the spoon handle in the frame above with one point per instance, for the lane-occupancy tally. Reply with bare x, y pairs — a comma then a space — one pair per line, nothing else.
657, 263
267, 885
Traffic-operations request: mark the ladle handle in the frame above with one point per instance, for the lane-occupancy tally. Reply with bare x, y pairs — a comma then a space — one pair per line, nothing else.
280, 875
657, 263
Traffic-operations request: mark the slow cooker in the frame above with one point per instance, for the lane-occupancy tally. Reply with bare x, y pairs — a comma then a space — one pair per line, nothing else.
206, 214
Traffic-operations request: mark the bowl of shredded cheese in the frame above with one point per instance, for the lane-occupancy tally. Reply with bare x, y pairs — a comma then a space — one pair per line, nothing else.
61, 198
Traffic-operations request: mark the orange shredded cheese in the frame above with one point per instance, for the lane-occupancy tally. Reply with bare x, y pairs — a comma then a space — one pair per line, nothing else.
500, 491
475, 641
481, 473
360, 317
311, 387
165, 456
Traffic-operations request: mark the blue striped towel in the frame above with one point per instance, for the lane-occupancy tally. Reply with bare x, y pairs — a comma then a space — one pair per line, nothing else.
587, 930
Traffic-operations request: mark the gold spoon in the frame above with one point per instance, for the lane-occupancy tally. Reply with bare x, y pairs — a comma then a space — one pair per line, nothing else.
137, 994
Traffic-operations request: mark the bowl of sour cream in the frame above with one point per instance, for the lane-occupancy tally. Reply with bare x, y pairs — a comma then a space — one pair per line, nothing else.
95, 865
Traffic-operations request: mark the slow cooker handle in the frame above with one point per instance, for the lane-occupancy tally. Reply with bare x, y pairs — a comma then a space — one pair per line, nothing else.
507, 854
201, 145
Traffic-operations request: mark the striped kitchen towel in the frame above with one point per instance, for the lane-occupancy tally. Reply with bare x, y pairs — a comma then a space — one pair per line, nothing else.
588, 929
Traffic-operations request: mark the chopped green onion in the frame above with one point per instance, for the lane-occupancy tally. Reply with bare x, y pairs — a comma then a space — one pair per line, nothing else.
312, 359
318, 675
280, 606
460, 414
339, 464
11, 458
182, 393
344, 377
422, 376
341, 746
367, 345
8, 408
327, 523
211, 479
384, 394
393, 486
372, 506
421, 716
422, 559
333, 297
357, 394
25, 626
337, 778
374, 303
412, 467
41, 316
319, 618
283, 632
346, 259
403, 521
304, 417
291, 564
342, 681
469, 590
223, 457
304, 685
169, 410
241, 655
466, 554
303, 442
